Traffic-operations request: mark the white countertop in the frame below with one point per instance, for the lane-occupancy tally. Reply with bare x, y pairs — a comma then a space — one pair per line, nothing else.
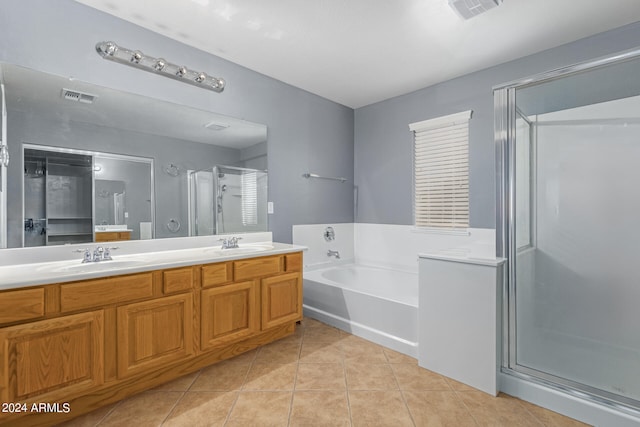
34, 273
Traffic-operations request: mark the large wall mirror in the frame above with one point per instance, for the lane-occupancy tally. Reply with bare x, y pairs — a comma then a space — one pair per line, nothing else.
89, 163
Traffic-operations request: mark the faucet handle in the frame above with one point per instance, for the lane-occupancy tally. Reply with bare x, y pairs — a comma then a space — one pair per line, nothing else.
87, 254
107, 253
98, 254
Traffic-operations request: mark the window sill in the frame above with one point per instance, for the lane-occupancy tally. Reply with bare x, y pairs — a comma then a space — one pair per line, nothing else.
449, 232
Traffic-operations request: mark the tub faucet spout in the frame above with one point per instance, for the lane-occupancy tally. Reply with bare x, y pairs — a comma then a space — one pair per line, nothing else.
331, 253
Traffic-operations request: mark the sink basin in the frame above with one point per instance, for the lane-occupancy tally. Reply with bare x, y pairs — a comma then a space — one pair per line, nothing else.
111, 228
244, 249
95, 266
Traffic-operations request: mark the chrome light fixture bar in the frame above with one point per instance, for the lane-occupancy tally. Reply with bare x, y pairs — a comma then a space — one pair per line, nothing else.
135, 58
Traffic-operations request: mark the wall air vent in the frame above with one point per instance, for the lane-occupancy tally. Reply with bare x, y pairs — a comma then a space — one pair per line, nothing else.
74, 95
467, 9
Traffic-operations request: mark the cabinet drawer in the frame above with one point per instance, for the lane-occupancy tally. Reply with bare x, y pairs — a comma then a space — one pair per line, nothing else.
216, 274
21, 304
293, 262
180, 279
255, 267
101, 292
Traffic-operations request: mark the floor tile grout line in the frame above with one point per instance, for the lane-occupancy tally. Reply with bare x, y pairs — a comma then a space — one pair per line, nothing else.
401, 390
295, 378
406, 404
238, 391
535, 417
348, 403
464, 405
290, 409
108, 412
173, 408
233, 405
199, 372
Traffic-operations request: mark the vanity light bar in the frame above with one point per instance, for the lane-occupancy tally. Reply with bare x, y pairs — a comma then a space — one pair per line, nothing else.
113, 52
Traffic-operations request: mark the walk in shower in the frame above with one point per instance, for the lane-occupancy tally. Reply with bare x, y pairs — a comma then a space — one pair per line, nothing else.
568, 213
227, 199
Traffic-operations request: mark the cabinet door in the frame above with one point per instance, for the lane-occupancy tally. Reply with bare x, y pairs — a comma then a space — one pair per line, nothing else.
154, 333
281, 299
229, 313
52, 359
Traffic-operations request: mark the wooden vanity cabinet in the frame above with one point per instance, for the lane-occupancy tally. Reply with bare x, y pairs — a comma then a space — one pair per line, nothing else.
94, 342
112, 236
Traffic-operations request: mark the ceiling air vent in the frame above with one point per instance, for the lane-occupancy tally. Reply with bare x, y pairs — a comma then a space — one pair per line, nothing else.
467, 9
216, 126
74, 95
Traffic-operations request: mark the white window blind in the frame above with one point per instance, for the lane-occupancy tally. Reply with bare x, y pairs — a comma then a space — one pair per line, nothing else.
249, 188
441, 171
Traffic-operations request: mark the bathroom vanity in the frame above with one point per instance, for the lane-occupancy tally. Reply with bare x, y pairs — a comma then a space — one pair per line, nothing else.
81, 344
112, 236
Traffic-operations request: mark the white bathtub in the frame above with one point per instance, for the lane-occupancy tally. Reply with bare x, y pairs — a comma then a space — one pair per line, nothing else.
377, 304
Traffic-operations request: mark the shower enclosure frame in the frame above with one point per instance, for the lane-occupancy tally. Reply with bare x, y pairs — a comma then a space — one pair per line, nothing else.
505, 114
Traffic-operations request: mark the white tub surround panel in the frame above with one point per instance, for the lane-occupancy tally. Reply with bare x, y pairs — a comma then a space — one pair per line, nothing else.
398, 246
312, 236
459, 322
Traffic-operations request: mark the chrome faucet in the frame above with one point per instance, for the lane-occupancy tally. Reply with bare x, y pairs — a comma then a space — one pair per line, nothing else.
99, 254
331, 253
230, 242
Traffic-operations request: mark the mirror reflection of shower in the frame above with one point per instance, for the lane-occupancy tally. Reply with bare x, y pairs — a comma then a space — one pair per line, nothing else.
228, 199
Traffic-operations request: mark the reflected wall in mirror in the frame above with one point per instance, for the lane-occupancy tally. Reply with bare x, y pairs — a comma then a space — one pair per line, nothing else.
64, 114
227, 199
70, 197
123, 197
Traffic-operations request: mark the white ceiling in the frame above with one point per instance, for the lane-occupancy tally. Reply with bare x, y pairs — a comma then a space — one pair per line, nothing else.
357, 52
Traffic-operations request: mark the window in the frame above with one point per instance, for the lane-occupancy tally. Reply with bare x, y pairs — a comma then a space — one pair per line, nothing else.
249, 188
441, 172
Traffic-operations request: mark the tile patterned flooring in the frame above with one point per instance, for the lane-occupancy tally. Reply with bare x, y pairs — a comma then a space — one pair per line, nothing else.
320, 376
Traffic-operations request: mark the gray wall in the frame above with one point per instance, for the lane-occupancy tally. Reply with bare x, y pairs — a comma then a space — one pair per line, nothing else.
132, 178
306, 133
383, 143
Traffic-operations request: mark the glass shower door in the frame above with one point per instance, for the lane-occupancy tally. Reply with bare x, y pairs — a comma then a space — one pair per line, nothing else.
202, 209
574, 236
4, 160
